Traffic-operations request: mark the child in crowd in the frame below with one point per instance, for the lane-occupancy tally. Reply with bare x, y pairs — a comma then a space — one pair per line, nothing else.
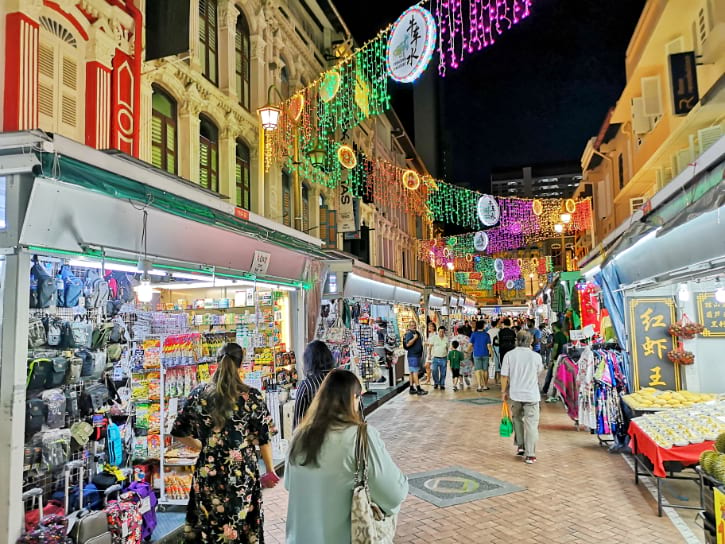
454, 360
465, 347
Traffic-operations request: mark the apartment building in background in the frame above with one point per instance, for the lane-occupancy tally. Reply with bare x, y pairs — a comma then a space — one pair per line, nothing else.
555, 180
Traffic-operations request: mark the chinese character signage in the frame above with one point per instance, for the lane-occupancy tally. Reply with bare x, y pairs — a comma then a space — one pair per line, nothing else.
711, 314
683, 72
260, 263
411, 44
649, 319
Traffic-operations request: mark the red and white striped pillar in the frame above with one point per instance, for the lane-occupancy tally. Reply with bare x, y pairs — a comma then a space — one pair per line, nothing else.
98, 105
20, 107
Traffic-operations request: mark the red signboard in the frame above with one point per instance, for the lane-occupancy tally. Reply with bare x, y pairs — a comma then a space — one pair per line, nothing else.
241, 213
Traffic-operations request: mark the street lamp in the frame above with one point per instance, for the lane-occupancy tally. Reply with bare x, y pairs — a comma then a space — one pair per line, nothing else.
317, 154
269, 114
531, 279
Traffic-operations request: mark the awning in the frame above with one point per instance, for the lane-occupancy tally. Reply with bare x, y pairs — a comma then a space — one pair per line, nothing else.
357, 286
436, 302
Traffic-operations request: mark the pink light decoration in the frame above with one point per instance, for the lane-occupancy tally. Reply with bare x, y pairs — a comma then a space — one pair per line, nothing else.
465, 31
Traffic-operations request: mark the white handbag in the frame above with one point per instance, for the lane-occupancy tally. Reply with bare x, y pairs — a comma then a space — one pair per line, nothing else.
368, 523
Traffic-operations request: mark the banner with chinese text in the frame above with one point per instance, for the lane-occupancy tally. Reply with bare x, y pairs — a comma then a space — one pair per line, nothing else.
719, 515
649, 319
711, 314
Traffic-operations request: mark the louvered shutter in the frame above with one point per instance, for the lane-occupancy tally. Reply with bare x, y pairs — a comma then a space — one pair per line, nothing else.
323, 224
331, 229
46, 85
652, 96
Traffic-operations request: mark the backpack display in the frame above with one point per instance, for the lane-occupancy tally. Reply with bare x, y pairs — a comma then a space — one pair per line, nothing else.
40, 373
55, 446
34, 416
54, 330
96, 291
114, 444
87, 362
72, 288
125, 293
82, 333
55, 403
72, 410
93, 399
75, 368
102, 335
58, 372
36, 333
67, 341
43, 292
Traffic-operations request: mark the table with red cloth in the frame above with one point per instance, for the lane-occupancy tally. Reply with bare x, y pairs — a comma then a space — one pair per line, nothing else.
643, 445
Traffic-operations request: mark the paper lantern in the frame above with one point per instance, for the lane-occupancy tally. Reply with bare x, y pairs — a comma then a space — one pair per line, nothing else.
346, 156
480, 241
488, 210
411, 180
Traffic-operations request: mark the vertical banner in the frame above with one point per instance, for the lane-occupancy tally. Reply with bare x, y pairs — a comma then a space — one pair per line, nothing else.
345, 209
356, 212
683, 75
711, 314
649, 319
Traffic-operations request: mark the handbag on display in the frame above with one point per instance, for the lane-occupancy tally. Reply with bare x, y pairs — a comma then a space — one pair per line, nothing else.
368, 523
336, 334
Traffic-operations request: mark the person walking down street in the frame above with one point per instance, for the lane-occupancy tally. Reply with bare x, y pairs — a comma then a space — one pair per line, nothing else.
545, 343
430, 334
495, 365
535, 335
226, 420
454, 359
506, 341
559, 342
466, 349
520, 372
481, 356
318, 361
320, 469
439, 354
413, 344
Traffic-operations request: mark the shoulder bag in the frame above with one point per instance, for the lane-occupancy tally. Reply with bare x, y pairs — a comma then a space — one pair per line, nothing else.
368, 523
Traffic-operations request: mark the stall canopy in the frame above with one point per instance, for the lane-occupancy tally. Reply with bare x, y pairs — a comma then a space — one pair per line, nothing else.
357, 286
436, 302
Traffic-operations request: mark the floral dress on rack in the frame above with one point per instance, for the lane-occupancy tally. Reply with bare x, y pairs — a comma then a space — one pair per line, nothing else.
225, 503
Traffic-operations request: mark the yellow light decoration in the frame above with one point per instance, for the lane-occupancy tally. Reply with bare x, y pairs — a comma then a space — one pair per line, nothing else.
537, 207
296, 106
446, 253
430, 183
411, 180
534, 262
346, 156
469, 258
570, 205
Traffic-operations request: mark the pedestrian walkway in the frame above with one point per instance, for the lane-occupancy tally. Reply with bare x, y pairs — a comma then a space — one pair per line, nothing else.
576, 493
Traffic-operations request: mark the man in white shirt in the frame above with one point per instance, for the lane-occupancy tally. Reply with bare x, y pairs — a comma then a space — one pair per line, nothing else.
439, 353
520, 372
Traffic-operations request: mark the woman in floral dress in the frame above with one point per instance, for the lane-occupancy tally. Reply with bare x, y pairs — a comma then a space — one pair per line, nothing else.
226, 420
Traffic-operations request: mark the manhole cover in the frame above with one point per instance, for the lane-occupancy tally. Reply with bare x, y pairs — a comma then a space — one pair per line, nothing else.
451, 486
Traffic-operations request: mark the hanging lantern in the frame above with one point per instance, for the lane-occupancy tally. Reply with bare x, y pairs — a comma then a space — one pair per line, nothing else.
346, 156
269, 116
329, 86
480, 241
488, 210
296, 105
317, 154
537, 207
411, 180
570, 205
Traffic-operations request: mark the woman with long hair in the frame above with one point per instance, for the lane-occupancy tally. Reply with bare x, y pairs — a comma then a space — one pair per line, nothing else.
320, 471
432, 331
318, 361
226, 420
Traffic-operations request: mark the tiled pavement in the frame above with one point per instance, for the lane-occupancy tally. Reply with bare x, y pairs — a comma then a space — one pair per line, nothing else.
575, 493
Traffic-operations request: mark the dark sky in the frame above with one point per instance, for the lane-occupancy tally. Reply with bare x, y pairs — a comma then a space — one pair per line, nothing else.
536, 96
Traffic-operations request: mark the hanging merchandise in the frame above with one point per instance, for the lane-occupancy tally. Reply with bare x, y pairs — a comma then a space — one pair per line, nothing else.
469, 26
411, 44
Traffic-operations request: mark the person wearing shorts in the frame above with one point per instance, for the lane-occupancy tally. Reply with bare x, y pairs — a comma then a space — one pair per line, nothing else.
481, 353
413, 344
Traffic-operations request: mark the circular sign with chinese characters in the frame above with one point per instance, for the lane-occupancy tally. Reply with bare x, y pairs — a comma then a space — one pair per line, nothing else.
480, 241
488, 210
411, 44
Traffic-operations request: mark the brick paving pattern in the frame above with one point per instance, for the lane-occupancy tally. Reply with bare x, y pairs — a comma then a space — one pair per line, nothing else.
575, 493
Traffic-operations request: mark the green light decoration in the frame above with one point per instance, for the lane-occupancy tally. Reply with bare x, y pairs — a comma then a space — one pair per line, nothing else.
455, 205
452, 241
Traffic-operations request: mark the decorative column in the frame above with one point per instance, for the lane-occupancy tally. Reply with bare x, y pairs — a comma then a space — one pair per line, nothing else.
147, 93
227, 16
227, 162
189, 124
194, 61
20, 104
122, 95
99, 55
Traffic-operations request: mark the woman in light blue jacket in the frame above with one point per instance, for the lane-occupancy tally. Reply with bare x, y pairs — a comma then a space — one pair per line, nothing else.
320, 469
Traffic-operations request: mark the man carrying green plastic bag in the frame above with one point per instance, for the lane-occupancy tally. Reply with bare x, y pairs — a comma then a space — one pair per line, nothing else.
506, 428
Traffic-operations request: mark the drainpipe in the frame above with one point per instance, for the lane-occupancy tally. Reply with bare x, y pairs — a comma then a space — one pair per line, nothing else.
137, 64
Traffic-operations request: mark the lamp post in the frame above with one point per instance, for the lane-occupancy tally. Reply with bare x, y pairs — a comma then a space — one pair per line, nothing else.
559, 228
531, 280
565, 220
269, 117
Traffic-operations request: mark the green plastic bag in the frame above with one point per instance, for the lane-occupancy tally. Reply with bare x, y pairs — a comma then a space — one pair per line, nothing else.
506, 428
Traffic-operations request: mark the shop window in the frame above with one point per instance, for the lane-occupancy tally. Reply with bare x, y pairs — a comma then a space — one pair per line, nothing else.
284, 82
360, 246
305, 208
242, 177
241, 61
163, 131
208, 155
59, 80
208, 39
286, 199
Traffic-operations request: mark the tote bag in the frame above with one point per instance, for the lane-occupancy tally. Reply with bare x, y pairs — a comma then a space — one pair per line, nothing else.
369, 524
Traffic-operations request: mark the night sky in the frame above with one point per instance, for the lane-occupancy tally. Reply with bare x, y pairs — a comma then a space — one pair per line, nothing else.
536, 96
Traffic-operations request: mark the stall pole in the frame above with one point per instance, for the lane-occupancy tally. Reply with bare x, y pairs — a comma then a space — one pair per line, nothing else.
13, 352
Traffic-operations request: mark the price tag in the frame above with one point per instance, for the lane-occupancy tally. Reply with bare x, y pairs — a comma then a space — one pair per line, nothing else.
124, 529
145, 505
576, 334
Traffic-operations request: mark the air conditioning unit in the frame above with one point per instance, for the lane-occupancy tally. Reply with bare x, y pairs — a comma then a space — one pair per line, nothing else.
641, 123
636, 203
706, 137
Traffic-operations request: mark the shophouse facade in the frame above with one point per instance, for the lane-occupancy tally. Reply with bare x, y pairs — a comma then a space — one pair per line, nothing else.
669, 113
